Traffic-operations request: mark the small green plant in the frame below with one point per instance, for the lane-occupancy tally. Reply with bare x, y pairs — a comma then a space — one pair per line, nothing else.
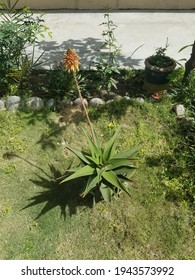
19, 30
159, 59
106, 170
59, 82
108, 66
185, 93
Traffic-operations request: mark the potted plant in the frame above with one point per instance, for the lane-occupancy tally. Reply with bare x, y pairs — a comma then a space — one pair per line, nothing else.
157, 69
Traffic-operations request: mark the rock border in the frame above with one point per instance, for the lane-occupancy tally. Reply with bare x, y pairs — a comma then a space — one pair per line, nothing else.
14, 103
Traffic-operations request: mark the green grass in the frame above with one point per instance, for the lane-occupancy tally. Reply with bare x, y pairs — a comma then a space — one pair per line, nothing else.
40, 219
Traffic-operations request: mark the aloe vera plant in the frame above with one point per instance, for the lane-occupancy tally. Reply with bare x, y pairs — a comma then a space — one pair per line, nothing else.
107, 171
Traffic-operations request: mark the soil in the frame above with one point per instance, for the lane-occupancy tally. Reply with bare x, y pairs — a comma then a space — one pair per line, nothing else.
130, 83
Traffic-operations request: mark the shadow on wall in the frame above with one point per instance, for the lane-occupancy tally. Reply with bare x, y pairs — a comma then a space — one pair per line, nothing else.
87, 50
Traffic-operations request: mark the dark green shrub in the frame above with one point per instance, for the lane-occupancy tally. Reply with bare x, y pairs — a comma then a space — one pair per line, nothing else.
184, 92
59, 82
19, 31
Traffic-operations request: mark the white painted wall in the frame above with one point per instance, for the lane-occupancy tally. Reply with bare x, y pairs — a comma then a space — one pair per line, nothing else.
102, 4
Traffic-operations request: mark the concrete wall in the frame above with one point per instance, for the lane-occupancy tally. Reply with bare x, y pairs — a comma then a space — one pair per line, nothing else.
102, 4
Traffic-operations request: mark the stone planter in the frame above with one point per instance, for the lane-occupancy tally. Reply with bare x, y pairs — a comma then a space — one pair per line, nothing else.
156, 78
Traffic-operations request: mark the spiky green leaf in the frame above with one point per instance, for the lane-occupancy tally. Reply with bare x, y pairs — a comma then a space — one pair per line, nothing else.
127, 153
84, 171
109, 148
79, 154
106, 192
124, 178
95, 151
124, 169
117, 162
94, 160
91, 184
112, 178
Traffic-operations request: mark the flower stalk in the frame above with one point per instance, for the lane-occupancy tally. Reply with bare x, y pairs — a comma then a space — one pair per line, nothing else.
84, 108
72, 65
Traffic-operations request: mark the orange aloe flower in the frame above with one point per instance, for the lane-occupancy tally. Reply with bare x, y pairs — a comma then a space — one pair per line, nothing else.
71, 61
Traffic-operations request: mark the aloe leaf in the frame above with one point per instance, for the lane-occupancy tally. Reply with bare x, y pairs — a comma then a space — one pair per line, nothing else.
91, 184
68, 171
111, 178
124, 178
187, 46
79, 154
124, 169
117, 162
127, 153
109, 148
106, 192
97, 141
136, 50
95, 151
93, 160
84, 171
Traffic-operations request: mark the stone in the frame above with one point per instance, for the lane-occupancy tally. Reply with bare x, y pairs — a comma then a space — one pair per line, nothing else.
139, 99
117, 97
77, 102
111, 94
103, 92
190, 119
180, 111
66, 103
110, 101
95, 102
51, 104
13, 103
126, 98
2, 105
35, 103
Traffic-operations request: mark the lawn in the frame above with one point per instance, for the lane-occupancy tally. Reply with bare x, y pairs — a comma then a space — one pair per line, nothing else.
42, 219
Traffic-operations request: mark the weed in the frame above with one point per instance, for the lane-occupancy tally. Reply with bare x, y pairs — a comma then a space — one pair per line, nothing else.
108, 66
159, 59
10, 127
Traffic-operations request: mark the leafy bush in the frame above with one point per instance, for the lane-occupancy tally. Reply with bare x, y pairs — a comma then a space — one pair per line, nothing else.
60, 83
19, 30
106, 170
181, 185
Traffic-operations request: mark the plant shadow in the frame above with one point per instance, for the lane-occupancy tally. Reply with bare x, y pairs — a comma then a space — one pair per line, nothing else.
88, 50
66, 196
51, 130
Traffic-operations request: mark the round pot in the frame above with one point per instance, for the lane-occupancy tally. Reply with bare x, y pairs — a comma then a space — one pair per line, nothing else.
157, 77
